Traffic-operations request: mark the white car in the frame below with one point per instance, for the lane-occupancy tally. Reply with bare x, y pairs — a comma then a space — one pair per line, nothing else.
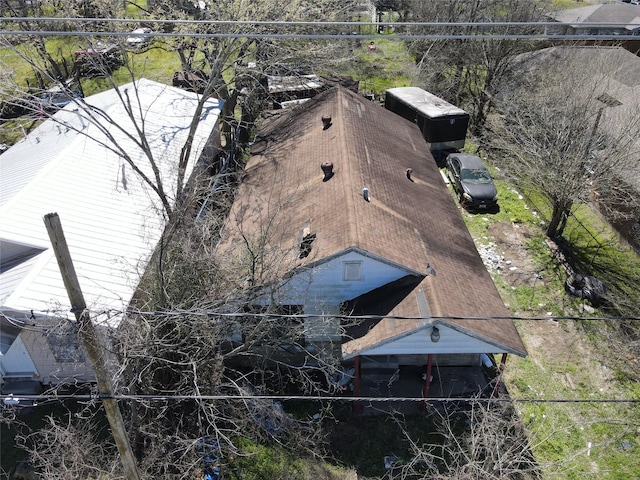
140, 36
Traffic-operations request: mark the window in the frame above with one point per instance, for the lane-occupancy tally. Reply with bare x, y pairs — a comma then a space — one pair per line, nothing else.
352, 271
305, 245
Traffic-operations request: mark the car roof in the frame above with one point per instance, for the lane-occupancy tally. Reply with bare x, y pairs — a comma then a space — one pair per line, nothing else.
469, 161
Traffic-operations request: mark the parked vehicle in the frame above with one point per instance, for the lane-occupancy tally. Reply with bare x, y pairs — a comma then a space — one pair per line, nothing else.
443, 125
192, 80
471, 181
14, 108
140, 37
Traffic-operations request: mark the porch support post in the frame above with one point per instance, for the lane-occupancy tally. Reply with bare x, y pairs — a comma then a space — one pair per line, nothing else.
501, 367
357, 406
427, 380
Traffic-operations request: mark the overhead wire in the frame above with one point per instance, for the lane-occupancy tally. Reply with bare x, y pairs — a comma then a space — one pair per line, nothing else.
308, 23
330, 398
368, 317
302, 316
483, 34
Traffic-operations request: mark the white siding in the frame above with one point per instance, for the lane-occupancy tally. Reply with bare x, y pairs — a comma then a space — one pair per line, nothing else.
324, 288
419, 343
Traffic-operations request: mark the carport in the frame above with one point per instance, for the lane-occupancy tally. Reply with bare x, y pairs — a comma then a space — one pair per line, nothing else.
424, 358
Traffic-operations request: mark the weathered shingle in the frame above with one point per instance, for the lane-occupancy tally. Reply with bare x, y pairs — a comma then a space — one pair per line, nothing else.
412, 223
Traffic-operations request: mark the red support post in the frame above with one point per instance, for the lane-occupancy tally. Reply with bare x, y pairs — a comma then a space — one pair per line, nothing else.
357, 406
427, 380
501, 367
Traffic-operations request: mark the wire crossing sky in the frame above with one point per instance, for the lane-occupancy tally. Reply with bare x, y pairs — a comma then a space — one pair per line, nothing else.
254, 29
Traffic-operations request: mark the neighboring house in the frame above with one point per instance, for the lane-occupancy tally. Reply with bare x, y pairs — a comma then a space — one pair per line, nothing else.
112, 221
614, 18
373, 232
616, 84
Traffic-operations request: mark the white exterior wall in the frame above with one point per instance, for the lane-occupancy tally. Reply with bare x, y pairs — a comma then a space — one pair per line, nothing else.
394, 361
322, 289
451, 342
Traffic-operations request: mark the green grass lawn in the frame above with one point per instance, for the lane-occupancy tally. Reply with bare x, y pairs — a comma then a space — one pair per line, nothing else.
570, 359
389, 65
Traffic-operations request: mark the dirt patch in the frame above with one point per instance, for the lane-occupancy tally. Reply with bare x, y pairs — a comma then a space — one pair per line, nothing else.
560, 350
506, 254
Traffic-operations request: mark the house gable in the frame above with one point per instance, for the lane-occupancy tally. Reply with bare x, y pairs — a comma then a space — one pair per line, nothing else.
324, 286
16, 360
418, 342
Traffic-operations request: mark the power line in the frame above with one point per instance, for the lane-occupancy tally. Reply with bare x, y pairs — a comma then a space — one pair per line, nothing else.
245, 315
357, 36
283, 398
31, 324
312, 23
367, 317
543, 35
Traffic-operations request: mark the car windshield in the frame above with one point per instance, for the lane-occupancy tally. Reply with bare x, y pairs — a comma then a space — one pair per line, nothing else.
475, 175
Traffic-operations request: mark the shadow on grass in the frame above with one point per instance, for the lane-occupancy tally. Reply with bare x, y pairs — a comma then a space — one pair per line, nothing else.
617, 267
362, 442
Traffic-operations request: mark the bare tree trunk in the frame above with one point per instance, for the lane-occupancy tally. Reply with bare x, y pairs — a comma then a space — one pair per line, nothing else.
559, 215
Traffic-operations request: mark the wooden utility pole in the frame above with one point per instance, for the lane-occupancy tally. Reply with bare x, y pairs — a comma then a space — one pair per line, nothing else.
91, 343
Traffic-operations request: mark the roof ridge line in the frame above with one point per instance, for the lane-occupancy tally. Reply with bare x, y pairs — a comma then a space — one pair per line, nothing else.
350, 206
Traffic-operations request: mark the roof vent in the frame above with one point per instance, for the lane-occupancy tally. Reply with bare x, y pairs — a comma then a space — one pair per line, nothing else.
305, 244
365, 194
327, 169
326, 121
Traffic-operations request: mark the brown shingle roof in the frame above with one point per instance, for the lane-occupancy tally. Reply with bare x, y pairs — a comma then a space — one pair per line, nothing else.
409, 223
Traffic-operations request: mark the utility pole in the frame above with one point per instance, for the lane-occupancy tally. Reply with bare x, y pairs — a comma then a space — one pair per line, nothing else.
91, 343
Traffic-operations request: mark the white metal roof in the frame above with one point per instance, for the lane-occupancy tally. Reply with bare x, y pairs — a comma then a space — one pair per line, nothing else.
111, 220
425, 102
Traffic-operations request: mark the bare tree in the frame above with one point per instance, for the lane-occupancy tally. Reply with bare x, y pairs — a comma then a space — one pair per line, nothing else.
468, 72
199, 334
560, 130
234, 61
169, 365
481, 441
231, 66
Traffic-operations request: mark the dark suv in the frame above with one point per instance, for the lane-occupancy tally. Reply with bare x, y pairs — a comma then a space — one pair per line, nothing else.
471, 181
